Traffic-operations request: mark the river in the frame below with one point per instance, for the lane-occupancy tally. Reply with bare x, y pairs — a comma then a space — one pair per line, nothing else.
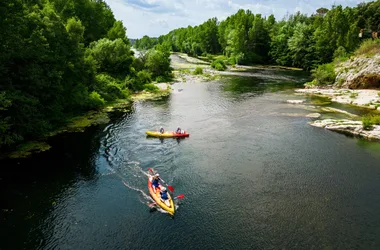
254, 174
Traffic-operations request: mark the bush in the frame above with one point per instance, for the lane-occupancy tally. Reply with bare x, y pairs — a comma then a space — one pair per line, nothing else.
340, 55
369, 47
219, 65
95, 100
113, 91
231, 61
324, 74
144, 77
137, 83
209, 57
167, 78
109, 88
340, 52
198, 71
370, 120
150, 87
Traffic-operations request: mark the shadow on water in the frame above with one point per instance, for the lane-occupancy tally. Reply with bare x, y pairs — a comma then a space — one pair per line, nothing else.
162, 140
31, 187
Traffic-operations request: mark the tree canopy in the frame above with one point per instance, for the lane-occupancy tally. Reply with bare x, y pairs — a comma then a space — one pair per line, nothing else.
297, 40
59, 58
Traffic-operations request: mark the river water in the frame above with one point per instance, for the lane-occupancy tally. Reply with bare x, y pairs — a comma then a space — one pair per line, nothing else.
254, 174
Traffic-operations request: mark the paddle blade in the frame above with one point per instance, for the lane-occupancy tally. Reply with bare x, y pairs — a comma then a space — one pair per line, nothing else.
151, 170
181, 196
171, 188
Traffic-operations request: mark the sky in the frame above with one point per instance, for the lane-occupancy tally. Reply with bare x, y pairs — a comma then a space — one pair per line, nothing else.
158, 17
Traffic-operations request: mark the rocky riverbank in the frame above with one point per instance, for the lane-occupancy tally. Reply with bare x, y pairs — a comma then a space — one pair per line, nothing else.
354, 128
366, 98
356, 83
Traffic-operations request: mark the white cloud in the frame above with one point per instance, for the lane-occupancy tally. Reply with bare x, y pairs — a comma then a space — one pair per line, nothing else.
158, 17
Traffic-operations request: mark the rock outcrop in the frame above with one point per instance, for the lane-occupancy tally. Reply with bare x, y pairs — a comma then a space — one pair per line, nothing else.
348, 127
359, 73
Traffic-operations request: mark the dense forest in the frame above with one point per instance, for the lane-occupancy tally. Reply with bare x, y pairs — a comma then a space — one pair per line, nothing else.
59, 58
298, 40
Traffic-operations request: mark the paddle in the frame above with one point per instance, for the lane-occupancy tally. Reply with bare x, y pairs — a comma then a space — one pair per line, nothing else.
181, 196
169, 187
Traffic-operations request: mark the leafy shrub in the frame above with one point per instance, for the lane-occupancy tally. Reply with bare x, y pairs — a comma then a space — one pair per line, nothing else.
340, 55
239, 58
113, 91
370, 120
354, 94
219, 65
144, 77
198, 71
137, 83
231, 61
209, 57
160, 79
340, 52
150, 87
167, 78
109, 88
184, 71
95, 100
324, 74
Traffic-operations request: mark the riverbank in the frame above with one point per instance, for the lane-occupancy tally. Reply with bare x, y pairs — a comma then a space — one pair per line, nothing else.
81, 122
350, 127
365, 98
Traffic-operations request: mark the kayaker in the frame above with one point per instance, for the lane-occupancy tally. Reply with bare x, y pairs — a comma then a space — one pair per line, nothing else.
164, 194
162, 130
156, 181
179, 130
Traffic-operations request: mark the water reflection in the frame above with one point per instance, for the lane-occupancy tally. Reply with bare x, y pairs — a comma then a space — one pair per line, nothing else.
32, 188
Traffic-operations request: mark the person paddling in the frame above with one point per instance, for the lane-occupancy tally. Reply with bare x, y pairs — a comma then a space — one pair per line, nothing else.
162, 130
164, 196
156, 182
179, 130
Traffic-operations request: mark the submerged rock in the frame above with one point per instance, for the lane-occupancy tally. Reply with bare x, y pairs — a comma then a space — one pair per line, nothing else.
348, 127
295, 101
334, 110
314, 115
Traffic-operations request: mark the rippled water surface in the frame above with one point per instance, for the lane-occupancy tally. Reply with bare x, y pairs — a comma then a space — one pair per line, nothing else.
254, 174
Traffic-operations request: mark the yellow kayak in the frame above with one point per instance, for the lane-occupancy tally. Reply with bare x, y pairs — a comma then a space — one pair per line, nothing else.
166, 134
168, 205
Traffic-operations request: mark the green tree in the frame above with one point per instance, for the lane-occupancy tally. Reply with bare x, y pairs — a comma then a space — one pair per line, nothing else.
158, 63
301, 46
112, 57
